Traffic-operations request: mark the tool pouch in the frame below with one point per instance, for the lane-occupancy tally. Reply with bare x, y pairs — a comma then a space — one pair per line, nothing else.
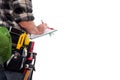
20, 42
16, 62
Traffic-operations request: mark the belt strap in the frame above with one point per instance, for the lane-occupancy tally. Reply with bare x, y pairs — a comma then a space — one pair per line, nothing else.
15, 30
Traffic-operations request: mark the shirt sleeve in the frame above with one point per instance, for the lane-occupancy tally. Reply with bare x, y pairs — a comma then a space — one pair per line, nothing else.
22, 10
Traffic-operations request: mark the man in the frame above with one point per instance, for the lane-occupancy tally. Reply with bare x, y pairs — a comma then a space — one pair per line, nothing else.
16, 14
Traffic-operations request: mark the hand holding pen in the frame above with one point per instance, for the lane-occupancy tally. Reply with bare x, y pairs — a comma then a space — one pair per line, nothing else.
47, 27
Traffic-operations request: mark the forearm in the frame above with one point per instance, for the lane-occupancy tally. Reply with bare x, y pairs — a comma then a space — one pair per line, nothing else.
29, 26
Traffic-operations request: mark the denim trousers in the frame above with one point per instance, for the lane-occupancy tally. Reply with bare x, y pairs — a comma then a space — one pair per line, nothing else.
2, 75
10, 75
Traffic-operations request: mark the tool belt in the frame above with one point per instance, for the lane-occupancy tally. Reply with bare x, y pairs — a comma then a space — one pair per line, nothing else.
22, 51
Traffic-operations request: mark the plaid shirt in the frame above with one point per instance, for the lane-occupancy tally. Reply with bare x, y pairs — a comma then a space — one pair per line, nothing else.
14, 11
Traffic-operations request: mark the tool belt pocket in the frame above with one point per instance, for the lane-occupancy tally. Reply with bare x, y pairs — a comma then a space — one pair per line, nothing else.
15, 63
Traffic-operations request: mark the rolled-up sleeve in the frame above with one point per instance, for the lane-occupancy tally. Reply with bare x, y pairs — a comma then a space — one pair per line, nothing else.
22, 10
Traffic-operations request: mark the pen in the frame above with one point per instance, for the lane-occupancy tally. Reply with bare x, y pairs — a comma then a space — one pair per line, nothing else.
42, 21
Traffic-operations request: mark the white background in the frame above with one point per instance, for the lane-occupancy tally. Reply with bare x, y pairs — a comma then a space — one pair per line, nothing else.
87, 43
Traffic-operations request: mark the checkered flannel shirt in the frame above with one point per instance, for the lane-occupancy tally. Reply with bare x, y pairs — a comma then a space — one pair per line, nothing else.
14, 11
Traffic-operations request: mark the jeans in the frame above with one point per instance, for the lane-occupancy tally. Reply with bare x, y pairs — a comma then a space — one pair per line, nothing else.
2, 75
10, 75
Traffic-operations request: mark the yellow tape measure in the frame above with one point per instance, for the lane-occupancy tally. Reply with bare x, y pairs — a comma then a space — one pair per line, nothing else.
23, 39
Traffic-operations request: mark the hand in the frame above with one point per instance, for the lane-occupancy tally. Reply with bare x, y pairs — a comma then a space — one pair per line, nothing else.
41, 28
